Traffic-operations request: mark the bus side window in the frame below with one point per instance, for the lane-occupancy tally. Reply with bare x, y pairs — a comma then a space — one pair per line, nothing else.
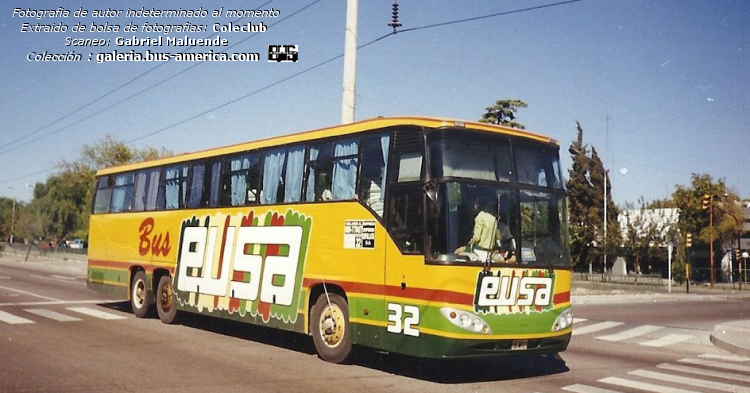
319, 173
205, 177
146, 190
103, 195
372, 176
332, 171
122, 192
173, 188
241, 183
344, 169
295, 168
197, 185
283, 169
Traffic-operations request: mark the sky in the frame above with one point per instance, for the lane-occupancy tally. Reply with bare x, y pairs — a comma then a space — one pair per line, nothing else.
660, 88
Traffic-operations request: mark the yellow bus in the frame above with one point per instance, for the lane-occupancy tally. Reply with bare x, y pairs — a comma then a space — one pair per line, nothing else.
427, 237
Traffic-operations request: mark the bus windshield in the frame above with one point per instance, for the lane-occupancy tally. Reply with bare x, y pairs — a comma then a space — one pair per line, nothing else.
456, 153
481, 212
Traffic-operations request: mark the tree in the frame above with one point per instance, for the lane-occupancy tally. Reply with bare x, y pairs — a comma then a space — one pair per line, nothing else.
579, 192
597, 175
695, 220
62, 204
7, 217
586, 206
111, 152
504, 113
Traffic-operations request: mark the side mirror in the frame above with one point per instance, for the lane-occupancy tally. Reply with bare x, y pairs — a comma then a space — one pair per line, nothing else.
430, 190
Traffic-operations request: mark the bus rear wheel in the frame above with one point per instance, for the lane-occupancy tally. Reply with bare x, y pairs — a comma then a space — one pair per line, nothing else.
330, 328
139, 294
166, 305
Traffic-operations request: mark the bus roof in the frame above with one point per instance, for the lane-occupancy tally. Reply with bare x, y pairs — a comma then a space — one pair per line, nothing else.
343, 129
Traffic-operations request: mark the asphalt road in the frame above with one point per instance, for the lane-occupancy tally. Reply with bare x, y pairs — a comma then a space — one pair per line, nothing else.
56, 335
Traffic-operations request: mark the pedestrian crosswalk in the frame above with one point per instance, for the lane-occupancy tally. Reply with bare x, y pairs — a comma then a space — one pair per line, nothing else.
645, 335
705, 373
29, 316
708, 372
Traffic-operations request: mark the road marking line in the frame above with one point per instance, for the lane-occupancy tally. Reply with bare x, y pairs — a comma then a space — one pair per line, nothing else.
95, 313
691, 381
595, 327
4, 277
63, 277
43, 312
668, 340
578, 388
705, 372
58, 302
12, 319
729, 358
643, 385
579, 320
709, 363
631, 333
29, 293
70, 280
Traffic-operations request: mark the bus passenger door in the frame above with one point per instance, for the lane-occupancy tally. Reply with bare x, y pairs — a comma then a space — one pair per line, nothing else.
404, 263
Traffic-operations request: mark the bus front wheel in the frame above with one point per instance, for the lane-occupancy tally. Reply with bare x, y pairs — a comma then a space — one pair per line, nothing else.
330, 328
165, 300
138, 294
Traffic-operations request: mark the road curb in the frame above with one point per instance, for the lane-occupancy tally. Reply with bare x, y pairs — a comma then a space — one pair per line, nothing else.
733, 337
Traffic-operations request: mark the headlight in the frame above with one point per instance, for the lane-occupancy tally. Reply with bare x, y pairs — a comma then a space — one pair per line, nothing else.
563, 321
466, 320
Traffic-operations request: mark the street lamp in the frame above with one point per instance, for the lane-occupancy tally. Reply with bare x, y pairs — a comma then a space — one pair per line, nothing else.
575, 152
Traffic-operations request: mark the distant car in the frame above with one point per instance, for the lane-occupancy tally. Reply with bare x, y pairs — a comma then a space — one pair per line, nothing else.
76, 244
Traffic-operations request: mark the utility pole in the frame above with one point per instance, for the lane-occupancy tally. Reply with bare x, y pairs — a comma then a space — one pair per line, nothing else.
13, 220
605, 220
606, 172
688, 246
711, 236
350, 62
707, 203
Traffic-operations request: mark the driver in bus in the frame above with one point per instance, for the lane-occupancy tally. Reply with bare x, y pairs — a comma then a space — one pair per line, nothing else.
489, 234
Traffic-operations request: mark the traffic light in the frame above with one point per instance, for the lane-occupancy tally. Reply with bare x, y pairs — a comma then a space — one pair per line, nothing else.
689, 240
737, 254
705, 202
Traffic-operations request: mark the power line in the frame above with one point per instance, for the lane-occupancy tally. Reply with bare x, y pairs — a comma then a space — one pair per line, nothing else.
240, 98
6, 147
162, 82
158, 83
505, 13
55, 69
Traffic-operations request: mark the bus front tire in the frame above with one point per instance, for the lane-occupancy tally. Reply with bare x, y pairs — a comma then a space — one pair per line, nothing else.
166, 305
330, 328
139, 294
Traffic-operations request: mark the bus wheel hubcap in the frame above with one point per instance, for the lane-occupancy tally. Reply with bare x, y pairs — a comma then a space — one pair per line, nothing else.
332, 326
139, 293
166, 297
